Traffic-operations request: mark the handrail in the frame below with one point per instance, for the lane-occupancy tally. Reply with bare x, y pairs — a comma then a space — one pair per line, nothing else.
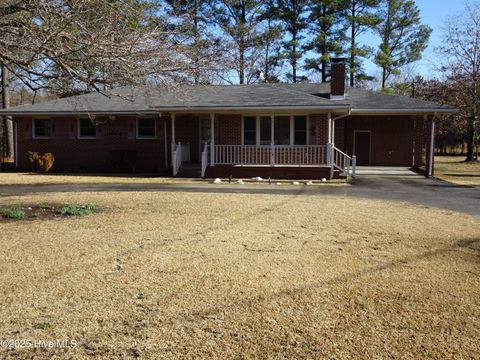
176, 158
341, 161
204, 159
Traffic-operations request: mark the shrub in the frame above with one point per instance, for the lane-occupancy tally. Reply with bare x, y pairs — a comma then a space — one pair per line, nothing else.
40, 163
13, 213
72, 210
124, 160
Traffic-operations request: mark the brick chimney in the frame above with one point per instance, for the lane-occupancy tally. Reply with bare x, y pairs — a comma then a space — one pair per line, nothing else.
337, 81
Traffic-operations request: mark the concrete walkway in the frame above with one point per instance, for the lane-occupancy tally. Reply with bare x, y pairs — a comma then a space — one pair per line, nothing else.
407, 187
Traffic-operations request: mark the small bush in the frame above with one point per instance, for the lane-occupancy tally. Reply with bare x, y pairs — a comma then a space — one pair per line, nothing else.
72, 210
40, 163
124, 160
13, 213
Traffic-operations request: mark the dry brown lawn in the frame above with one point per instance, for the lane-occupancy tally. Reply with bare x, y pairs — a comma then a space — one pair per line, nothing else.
51, 178
188, 275
453, 169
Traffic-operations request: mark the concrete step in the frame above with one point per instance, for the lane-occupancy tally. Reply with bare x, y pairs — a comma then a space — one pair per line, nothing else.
189, 170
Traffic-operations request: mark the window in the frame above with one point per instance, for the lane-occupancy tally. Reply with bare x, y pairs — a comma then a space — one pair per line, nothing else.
265, 130
282, 130
146, 128
87, 129
249, 130
288, 130
300, 125
42, 128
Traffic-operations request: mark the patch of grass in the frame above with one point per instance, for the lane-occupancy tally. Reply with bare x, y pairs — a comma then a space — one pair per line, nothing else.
13, 213
42, 326
73, 210
364, 305
455, 170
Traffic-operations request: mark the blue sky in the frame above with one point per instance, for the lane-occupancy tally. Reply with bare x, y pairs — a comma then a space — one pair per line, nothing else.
433, 13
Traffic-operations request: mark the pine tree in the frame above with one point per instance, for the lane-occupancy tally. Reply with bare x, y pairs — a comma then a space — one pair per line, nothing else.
240, 22
271, 42
360, 16
292, 14
403, 36
191, 20
328, 33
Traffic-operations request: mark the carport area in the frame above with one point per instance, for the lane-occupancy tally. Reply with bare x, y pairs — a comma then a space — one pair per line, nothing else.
388, 144
363, 171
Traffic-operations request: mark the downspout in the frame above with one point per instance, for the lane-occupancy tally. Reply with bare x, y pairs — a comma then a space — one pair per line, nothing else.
331, 137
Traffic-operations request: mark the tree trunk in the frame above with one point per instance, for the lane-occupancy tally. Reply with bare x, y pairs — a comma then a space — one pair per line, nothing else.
8, 123
294, 57
241, 48
384, 78
352, 48
470, 138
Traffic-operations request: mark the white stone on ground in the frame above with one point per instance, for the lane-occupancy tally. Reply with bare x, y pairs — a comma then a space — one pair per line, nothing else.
257, 178
240, 181
296, 183
323, 179
217, 181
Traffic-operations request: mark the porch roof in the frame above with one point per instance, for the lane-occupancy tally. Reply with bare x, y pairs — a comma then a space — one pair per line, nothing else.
202, 98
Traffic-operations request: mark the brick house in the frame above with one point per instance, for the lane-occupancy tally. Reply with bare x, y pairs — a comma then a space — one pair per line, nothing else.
291, 131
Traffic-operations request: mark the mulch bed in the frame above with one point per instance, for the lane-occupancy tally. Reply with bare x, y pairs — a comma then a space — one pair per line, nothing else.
43, 212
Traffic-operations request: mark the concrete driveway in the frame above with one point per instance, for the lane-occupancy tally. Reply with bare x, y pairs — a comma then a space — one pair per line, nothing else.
407, 187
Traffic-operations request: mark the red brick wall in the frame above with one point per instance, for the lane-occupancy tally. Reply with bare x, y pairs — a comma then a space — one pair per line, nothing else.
391, 138
340, 133
419, 142
318, 129
73, 154
229, 129
187, 131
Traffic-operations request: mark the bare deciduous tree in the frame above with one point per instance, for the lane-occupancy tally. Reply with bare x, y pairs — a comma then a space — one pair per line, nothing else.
461, 51
74, 46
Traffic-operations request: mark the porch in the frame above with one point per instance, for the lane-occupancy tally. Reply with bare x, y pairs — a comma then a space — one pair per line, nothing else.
277, 161
283, 157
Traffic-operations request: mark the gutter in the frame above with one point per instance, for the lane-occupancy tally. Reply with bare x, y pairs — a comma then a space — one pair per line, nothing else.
403, 111
252, 108
74, 113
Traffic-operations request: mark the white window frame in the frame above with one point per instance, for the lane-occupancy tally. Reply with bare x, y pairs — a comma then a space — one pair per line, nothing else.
137, 136
85, 137
34, 136
292, 127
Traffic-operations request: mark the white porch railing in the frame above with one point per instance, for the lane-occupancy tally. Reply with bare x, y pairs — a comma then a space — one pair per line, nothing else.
176, 158
268, 155
344, 163
281, 155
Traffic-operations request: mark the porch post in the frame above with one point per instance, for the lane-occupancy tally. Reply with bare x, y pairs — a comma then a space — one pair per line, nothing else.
272, 140
212, 139
172, 117
329, 140
165, 141
329, 137
431, 147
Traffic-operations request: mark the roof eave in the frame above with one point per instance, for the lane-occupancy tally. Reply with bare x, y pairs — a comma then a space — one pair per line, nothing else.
76, 113
252, 108
403, 111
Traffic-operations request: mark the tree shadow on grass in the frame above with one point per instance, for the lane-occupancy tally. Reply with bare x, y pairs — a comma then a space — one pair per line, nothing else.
471, 244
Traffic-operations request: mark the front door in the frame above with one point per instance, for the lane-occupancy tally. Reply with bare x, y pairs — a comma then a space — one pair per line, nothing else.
205, 131
361, 147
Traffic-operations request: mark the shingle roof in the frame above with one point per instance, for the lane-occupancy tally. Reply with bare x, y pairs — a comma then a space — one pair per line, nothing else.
226, 97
